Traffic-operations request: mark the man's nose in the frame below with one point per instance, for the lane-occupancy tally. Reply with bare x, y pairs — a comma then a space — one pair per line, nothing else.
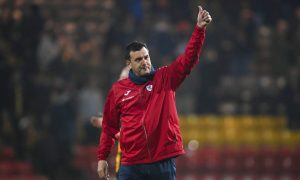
143, 61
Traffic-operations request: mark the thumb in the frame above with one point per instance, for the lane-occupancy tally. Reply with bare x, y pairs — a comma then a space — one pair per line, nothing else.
200, 8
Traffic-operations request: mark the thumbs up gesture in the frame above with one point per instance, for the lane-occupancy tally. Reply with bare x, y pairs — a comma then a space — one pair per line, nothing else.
203, 18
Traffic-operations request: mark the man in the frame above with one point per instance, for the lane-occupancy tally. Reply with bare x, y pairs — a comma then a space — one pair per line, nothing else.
142, 107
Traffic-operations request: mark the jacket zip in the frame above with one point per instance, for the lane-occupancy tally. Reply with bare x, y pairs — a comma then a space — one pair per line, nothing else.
148, 149
144, 128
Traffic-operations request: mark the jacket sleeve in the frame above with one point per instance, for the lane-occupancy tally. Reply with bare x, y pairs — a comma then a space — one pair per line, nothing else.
110, 127
183, 65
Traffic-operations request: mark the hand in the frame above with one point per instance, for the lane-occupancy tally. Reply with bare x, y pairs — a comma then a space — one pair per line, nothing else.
96, 121
203, 18
103, 169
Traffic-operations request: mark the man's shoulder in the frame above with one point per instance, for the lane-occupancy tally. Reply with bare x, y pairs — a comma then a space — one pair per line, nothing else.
122, 88
160, 71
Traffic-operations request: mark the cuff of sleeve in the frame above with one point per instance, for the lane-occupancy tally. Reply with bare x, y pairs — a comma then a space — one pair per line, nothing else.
100, 157
104, 147
200, 29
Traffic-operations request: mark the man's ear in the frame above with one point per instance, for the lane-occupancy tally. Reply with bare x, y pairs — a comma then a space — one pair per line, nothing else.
128, 63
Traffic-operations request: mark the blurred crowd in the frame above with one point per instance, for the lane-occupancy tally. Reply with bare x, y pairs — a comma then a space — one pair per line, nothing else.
59, 58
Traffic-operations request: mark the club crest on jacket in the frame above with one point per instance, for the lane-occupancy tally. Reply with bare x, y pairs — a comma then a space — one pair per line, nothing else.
149, 87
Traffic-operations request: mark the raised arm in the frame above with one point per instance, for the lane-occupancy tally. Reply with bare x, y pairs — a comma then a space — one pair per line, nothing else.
183, 65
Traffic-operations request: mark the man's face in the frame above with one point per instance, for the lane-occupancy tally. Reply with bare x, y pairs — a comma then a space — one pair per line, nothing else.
140, 62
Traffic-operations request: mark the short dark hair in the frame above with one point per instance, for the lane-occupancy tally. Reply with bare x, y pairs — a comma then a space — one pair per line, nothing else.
134, 46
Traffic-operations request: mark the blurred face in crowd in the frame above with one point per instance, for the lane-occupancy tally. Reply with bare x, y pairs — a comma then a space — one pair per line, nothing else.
140, 62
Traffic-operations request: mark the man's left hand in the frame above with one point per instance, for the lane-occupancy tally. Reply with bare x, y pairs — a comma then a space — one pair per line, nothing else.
203, 18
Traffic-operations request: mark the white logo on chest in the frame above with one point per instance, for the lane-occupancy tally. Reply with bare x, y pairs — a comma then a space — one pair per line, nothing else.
127, 92
149, 87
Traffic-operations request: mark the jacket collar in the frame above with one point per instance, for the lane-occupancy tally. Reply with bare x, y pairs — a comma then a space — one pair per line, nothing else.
139, 80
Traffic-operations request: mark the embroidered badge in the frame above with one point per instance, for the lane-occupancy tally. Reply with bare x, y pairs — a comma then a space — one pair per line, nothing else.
149, 87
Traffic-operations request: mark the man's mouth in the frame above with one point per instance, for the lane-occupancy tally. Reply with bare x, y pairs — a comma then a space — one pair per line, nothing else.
144, 68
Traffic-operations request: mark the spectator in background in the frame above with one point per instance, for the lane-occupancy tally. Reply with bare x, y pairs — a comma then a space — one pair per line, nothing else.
90, 100
134, 8
49, 49
62, 124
